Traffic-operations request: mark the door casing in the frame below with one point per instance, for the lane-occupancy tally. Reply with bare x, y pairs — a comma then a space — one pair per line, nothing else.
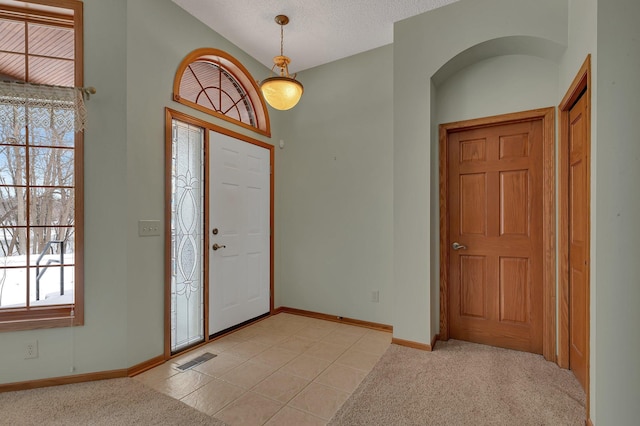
548, 173
171, 114
581, 86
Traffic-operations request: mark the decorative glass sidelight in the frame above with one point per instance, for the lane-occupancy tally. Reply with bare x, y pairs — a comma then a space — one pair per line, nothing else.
187, 235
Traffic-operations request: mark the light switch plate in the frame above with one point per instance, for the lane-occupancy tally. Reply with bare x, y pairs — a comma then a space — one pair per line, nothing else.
148, 228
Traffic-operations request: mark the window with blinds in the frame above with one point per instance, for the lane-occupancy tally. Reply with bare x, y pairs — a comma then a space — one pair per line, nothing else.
214, 82
40, 165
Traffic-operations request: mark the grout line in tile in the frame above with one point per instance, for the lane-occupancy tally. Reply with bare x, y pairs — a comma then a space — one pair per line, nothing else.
312, 414
274, 414
291, 374
230, 402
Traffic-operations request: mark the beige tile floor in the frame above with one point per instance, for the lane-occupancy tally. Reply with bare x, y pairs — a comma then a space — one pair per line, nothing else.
283, 370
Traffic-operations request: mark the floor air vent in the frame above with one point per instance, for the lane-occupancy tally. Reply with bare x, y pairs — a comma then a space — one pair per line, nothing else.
196, 361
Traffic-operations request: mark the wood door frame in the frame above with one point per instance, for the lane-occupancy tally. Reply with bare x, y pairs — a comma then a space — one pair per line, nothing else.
171, 114
581, 86
548, 217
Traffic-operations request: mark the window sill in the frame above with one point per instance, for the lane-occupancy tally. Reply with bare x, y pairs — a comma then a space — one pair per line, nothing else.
49, 317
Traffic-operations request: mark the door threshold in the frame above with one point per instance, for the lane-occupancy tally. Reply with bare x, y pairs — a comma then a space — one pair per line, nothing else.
238, 326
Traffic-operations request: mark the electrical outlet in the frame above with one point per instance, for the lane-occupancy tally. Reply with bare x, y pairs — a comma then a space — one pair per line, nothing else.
31, 349
375, 296
148, 228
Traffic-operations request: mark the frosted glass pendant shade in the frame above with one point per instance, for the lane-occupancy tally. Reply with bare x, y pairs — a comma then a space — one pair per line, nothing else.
282, 93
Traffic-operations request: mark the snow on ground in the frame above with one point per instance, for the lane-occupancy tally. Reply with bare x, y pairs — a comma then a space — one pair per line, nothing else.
13, 281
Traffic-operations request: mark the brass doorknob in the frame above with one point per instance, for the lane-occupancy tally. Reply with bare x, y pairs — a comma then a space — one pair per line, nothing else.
217, 246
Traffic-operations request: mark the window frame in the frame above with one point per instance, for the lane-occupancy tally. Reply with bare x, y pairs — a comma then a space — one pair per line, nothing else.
53, 316
232, 66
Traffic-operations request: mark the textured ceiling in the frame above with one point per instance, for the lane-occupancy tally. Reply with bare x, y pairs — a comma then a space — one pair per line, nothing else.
320, 31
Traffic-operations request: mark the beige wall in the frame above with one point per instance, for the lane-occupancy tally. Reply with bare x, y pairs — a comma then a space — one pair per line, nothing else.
335, 180
157, 41
615, 228
607, 31
482, 30
497, 85
492, 86
101, 343
582, 37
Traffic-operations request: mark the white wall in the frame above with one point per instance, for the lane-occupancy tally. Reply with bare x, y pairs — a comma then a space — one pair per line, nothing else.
419, 53
617, 231
335, 179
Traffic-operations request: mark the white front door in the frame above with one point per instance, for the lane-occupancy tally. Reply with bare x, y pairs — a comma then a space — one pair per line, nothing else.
239, 221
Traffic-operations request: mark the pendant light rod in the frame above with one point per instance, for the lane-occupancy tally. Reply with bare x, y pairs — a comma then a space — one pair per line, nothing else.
282, 20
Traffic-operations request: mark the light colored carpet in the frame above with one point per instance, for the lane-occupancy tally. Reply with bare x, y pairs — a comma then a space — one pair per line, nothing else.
106, 402
463, 383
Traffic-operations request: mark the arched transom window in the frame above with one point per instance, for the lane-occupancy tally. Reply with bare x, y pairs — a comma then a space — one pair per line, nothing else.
214, 82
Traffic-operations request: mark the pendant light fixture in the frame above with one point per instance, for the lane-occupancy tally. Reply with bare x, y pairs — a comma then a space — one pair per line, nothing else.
282, 91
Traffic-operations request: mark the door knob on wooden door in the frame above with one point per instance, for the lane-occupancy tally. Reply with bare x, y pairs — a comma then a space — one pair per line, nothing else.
217, 246
458, 246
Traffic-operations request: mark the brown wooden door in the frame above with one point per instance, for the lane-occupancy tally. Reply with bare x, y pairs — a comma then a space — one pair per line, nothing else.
578, 230
496, 212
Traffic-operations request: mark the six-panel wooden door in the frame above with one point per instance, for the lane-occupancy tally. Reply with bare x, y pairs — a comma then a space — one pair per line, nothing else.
496, 215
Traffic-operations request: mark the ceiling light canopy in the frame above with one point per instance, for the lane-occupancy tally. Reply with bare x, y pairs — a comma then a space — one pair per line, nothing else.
282, 91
